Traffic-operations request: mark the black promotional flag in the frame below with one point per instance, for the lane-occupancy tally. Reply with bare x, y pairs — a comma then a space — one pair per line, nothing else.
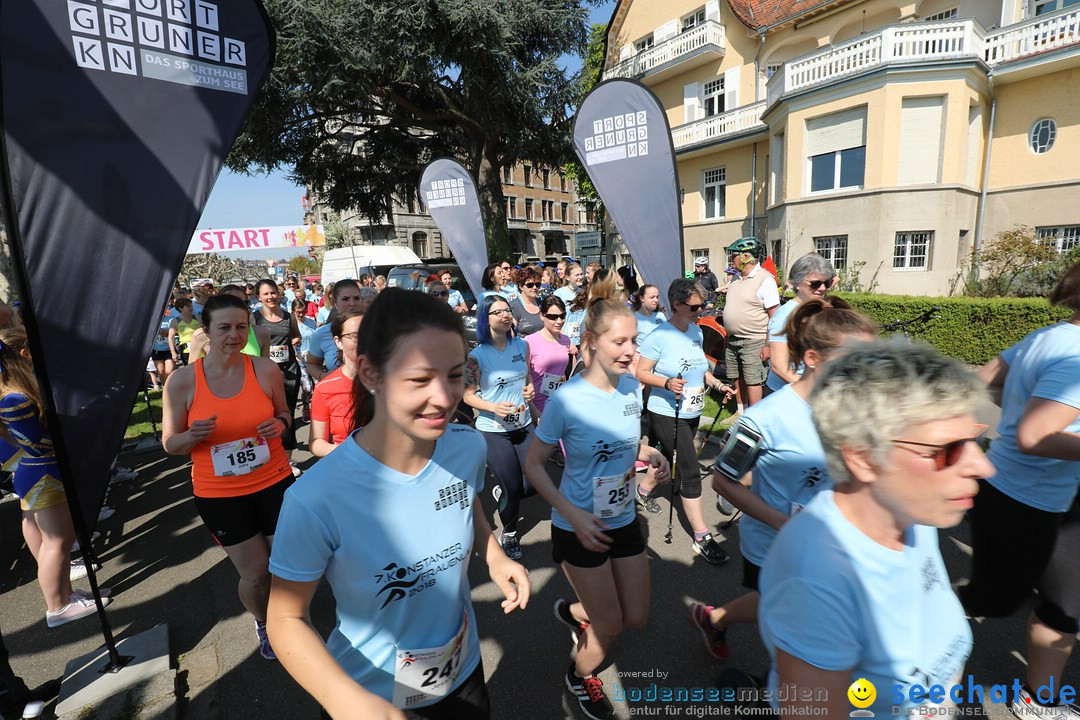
116, 117
449, 193
622, 137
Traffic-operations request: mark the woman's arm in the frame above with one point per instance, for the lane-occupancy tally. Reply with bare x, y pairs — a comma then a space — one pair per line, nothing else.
741, 496
472, 386
172, 339
511, 577
646, 375
993, 374
318, 442
179, 434
781, 361
1042, 430
301, 651
799, 674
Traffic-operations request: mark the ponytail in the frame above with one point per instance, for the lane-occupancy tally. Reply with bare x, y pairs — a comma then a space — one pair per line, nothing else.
821, 325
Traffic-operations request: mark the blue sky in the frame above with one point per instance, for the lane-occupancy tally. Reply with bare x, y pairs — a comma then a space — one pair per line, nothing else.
242, 201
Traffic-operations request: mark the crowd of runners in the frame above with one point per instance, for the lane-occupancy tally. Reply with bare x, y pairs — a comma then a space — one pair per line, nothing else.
846, 455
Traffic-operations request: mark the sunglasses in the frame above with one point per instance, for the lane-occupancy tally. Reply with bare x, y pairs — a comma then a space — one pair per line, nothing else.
944, 455
531, 285
693, 308
441, 294
815, 284
555, 317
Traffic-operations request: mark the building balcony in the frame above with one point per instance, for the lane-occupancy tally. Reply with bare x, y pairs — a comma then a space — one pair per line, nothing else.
551, 226
924, 44
719, 127
517, 224
682, 52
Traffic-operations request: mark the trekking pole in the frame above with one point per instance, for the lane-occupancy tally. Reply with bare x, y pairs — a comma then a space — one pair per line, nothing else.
674, 460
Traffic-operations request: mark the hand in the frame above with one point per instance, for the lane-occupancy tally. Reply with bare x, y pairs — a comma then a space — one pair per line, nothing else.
504, 408
175, 358
661, 468
529, 393
271, 428
296, 342
573, 350
589, 531
513, 579
766, 353
201, 429
675, 385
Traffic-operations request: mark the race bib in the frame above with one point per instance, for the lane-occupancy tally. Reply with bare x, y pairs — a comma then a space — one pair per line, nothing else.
612, 494
515, 420
693, 401
423, 675
279, 353
550, 383
239, 457
573, 330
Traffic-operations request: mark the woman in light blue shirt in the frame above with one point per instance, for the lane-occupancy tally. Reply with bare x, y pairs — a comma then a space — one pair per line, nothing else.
854, 586
811, 276
647, 311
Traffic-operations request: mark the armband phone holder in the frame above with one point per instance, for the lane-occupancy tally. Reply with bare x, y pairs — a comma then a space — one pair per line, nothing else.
739, 451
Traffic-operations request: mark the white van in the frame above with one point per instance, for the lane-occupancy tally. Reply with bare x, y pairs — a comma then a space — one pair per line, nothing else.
352, 262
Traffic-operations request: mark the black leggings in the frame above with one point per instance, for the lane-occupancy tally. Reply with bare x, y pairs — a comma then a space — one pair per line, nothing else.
687, 471
1038, 549
290, 373
506, 458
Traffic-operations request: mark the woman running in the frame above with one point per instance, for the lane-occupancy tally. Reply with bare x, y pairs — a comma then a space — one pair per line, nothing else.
811, 275
46, 522
258, 341
331, 403
854, 586
406, 635
526, 307
306, 325
647, 311
162, 352
492, 282
595, 535
499, 384
674, 366
228, 411
575, 283
549, 352
1027, 517
284, 337
182, 329
785, 468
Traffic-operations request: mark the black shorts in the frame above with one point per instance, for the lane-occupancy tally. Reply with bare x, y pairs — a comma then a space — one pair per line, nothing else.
469, 701
750, 575
160, 355
626, 541
232, 520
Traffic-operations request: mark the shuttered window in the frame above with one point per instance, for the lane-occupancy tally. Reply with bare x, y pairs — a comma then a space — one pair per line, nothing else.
920, 140
839, 131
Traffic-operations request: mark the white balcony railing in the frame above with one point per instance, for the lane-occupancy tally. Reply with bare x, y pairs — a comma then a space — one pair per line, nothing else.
1034, 36
718, 127
708, 33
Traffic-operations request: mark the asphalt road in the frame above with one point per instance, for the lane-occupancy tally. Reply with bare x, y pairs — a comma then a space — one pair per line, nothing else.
163, 566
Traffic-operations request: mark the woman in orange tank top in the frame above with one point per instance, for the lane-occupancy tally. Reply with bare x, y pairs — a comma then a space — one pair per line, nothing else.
228, 411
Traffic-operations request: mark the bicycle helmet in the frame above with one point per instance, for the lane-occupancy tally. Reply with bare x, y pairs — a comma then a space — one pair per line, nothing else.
745, 245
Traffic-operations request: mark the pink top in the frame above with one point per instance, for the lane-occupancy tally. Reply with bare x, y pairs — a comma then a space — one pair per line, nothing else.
546, 358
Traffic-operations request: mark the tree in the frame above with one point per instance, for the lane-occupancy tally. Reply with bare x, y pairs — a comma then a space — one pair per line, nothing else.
1008, 262
303, 265
591, 73
365, 93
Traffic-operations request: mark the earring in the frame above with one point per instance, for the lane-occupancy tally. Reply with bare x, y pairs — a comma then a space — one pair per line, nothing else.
592, 348
372, 391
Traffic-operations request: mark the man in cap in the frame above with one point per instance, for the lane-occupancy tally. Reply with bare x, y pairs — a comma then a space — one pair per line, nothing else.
752, 298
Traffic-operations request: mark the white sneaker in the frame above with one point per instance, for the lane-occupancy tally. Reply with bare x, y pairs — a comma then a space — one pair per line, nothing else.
78, 570
76, 547
1027, 707
105, 513
77, 608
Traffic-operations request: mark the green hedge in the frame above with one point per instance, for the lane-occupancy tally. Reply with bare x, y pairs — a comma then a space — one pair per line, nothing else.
971, 329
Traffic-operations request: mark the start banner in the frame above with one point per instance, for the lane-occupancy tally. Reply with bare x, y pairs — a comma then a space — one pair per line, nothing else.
256, 238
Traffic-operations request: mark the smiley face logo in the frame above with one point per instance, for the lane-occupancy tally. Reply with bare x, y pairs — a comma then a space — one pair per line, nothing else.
862, 693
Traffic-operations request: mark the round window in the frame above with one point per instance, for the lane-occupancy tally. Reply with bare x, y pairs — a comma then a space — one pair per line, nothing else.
1042, 135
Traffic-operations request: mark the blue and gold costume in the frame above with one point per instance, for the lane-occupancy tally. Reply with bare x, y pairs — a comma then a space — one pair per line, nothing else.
37, 477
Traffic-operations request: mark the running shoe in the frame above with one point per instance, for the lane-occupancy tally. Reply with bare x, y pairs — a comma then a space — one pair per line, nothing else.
264, 641
647, 502
12, 705
122, 474
105, 513
78, 570
562, 613
589, 692
715, 639
510, 546
724, 506
296, 471
707, 548
77, 608
1027, 707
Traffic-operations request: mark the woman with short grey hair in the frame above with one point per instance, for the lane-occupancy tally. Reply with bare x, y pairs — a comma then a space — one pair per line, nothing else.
854, 586
811, 276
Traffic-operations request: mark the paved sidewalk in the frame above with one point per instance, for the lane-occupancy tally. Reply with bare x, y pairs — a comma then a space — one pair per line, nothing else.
163, 566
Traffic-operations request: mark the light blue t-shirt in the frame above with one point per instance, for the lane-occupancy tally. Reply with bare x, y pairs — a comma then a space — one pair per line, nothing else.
509, 291
838, 600
790, 470
161, 342
322, 314
646, 324
575, 325
600, 433
455, 298
322, 345
567, 294
777, 325
502, 379
307, 329
677, 352
1045, 364
395, 549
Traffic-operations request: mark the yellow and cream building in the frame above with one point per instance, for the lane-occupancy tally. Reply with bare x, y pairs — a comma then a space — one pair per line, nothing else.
891, 136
